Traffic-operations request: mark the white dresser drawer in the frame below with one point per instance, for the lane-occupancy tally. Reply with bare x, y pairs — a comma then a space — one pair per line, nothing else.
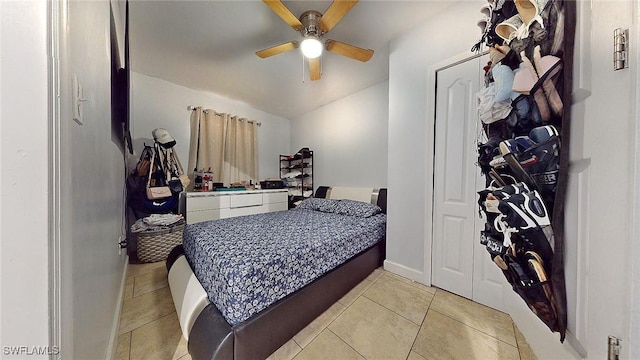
204, 203
277, 197
215, 205
244, 200
242, 211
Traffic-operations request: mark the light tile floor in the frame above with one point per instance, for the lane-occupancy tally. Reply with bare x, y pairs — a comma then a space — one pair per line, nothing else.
384, 317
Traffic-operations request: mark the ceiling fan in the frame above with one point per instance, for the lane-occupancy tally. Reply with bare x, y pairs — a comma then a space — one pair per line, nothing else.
313, 25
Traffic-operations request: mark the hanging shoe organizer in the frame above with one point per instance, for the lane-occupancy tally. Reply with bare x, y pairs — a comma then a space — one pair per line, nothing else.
524, 154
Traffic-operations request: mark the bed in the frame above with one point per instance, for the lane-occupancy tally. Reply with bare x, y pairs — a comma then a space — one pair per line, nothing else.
232, 305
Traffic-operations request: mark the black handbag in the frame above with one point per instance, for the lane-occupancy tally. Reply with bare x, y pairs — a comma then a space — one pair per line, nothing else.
176, 186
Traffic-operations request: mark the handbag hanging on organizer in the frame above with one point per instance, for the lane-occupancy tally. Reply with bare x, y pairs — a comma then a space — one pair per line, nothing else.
184, 178
156, 192
170, 168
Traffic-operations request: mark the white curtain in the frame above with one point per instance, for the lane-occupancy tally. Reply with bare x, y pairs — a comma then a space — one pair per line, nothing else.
226, 144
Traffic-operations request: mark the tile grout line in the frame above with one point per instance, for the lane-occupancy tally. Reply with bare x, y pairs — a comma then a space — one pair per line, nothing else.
326, 327
413, 283
133, 295
323, 329
153, 305
148, 322
475, 303
517, 342
295, 342
148, 292
346, 307
342, 312
334, 319
130, 342
421, 324
161, 317
375, 302
393, 311
356, 298
120, 321
481, 331
346, 343
425, 314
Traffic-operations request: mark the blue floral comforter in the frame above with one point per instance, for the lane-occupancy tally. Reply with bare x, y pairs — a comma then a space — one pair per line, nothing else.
247, 263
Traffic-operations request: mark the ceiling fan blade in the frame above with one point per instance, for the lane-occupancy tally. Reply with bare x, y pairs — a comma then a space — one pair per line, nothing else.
278, 49
314, 68
285, 14
347, 50
336, 11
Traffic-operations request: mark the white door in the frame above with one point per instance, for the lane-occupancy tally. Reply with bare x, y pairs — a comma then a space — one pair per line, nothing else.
460, 263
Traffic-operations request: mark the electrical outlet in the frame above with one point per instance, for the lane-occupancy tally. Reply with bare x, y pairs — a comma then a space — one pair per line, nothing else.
122, 243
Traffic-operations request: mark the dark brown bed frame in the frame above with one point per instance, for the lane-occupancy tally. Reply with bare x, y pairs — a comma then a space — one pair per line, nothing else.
211, 337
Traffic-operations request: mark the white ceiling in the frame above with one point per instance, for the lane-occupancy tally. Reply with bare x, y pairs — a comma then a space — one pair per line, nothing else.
211, 45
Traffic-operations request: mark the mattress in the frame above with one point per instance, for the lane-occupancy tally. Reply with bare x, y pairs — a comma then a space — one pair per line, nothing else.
247, 263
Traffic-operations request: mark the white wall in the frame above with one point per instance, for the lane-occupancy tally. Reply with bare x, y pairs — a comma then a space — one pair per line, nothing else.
158, 103
634, 332
91, 189
613, 98
604, 133
348, 138
411, 134
24, 155
90, 184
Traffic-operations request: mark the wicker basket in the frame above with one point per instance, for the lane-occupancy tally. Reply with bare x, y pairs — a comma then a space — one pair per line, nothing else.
155, 245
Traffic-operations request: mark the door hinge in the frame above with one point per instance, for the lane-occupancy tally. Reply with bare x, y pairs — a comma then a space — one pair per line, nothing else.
613, 351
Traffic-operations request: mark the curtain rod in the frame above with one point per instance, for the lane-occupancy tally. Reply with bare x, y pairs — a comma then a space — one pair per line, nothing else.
191, 108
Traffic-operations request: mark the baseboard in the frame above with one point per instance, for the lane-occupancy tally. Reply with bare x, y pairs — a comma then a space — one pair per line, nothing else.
404, 271
113, 338
544, 343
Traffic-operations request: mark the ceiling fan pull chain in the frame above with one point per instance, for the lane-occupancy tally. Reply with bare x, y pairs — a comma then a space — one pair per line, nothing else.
302, 68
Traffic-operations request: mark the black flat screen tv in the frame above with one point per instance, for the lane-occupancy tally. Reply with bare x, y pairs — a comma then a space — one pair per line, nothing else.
120, 85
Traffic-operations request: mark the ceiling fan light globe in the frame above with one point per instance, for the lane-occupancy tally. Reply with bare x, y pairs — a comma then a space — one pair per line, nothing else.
311, 48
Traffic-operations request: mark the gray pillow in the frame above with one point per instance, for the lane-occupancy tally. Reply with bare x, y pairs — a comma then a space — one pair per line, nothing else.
341, 206
356, 208
318, 204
